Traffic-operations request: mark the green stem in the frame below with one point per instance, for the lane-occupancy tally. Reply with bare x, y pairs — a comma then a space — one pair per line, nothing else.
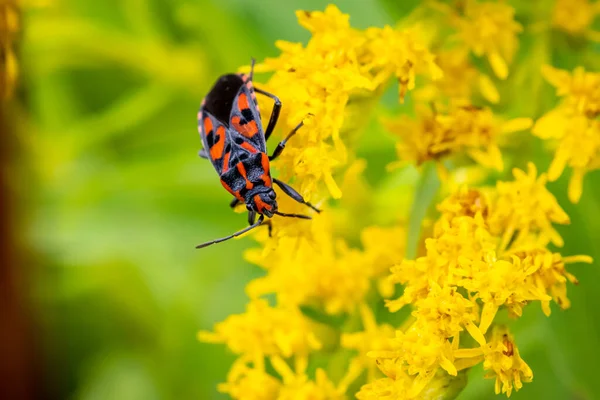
427, 189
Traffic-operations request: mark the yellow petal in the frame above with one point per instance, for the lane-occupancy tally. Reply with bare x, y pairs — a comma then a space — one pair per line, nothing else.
498, 65
576, 185
488, 89
487, 316
516, 125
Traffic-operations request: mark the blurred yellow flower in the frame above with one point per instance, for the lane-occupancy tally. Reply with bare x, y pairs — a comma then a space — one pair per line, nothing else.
265, 331
574, 16
489, 29
465, 130
580, 90
373, 337
297, 385
573, 124
249, 383
460, 80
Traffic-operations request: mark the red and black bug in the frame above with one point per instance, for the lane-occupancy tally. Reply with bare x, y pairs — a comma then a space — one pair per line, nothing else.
235, 143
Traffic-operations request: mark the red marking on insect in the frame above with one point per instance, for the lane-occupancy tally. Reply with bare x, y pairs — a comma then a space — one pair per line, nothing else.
247, 129
243, 102
232, 134
216, 151
236, 193
249, 147
261, 205
226, 161
242, 170
266, 176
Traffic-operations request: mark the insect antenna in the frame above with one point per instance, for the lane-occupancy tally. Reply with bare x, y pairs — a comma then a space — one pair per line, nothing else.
293, 215
253, 61
254, 225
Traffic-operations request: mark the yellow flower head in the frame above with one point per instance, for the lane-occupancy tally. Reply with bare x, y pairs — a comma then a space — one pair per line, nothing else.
526, 206
249, 383
373, 338
315, 81
297, 385
316, 268
468, 272
573, 125
460, 80
574, 16
546, 272
464, 202
464, 130
264, 330
580, 90
502, 360
401, 53
489, 29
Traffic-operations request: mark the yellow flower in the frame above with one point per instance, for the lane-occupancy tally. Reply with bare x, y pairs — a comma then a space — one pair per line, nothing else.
574, 16
546, 272
526, 206
401, 53
313, 268
501, 359
469, 254
249, 383
313, 80
446, 311
264, 331
460, 80
373, 337
573, 124
580, 90
464, 130
489, 29
462, 238
297, 385
487, 250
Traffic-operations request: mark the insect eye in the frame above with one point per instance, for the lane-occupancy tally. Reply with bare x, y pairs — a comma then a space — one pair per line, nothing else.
248, 207
272, 195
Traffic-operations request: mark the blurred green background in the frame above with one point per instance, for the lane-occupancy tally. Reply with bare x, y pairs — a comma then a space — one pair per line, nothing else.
117, 198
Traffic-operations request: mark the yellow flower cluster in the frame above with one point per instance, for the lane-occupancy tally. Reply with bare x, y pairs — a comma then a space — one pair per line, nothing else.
463, 130
488, 250
308, 264
447, 123
573, 124
489, 29
314, 80
575, 17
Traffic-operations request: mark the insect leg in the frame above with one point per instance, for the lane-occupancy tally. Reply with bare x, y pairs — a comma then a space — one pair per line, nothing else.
251, 217
269, 224
290, 191
301, 216
281, 145
274, 113
203, 154
234, 202
254, 225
